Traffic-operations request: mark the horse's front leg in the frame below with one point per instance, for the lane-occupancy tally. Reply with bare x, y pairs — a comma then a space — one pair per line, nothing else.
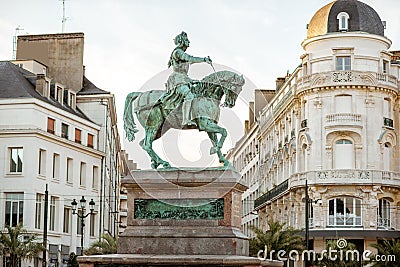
212, 130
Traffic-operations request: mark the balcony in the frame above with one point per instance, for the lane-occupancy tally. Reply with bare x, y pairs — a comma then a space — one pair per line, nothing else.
343, 119
334, 78
344, 220
262, 200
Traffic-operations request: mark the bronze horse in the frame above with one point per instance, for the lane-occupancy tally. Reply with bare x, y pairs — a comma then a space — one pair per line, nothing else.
205, 110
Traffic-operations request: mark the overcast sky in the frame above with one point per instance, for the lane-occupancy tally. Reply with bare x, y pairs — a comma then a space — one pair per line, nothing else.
128, 42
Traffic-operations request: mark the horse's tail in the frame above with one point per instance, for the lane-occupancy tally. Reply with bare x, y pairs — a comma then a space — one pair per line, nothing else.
129, 122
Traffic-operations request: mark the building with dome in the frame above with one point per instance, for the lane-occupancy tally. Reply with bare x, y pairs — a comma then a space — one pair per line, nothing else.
333, 124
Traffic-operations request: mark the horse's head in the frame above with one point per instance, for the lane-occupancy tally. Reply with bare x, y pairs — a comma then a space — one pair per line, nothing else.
230, 83
232, 89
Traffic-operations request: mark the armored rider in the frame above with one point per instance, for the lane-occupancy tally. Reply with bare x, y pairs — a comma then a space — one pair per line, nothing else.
179, 83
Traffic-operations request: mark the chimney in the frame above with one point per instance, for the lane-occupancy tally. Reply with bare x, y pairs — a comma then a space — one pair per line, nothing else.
42, 84
261, 99
132, 165
279, 82
395, 55
62, 53
246, 127
251, 113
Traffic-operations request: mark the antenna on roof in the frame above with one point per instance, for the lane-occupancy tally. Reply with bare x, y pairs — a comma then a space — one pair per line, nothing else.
17, 30
64, 19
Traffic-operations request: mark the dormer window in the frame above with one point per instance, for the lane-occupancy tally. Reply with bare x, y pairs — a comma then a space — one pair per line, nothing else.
59, 93
343, 18
72, 100
66, 97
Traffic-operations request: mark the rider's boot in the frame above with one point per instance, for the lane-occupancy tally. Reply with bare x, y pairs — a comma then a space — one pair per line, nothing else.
186, 120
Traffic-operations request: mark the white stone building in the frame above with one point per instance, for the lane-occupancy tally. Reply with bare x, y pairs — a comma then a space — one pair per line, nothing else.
58, 131
245, 158
334, 123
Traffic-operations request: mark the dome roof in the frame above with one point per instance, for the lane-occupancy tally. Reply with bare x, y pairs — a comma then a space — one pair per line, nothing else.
361, 18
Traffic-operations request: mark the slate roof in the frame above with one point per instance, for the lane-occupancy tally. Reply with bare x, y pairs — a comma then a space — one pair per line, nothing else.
90, 89
16, 82
363, 18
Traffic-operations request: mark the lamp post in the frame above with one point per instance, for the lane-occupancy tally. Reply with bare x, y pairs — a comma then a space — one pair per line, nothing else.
308, 201
82, 216
307, 236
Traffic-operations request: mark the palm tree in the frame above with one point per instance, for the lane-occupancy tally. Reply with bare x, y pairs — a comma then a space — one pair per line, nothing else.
387, 248
72, 261
18, 245
278, 237
107, 245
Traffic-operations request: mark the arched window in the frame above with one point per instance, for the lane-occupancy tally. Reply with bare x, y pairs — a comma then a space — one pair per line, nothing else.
344, 154
384, 213
343, 18
344, 211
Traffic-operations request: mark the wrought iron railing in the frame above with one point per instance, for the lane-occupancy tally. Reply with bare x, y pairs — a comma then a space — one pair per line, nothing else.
262, 200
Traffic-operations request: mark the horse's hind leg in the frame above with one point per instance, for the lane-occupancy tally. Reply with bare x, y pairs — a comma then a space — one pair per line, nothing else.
147, 145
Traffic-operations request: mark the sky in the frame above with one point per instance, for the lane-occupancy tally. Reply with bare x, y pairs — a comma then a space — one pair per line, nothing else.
128, 44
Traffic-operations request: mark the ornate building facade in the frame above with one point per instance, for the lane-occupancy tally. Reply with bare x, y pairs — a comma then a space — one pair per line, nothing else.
334, 124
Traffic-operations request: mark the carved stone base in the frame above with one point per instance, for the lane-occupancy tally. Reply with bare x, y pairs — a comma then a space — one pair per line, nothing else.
184, 212
181, 217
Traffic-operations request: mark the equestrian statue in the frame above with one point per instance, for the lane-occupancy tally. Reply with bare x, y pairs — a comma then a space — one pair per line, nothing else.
185, 104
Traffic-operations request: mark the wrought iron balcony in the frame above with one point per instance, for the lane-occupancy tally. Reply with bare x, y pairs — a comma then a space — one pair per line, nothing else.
262, 200
344, 220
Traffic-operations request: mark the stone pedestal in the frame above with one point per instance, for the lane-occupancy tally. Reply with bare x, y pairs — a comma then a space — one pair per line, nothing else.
185, 217
184, 212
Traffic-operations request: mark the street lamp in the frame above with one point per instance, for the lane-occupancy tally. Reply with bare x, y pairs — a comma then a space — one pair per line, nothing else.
82, 216
307, 220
